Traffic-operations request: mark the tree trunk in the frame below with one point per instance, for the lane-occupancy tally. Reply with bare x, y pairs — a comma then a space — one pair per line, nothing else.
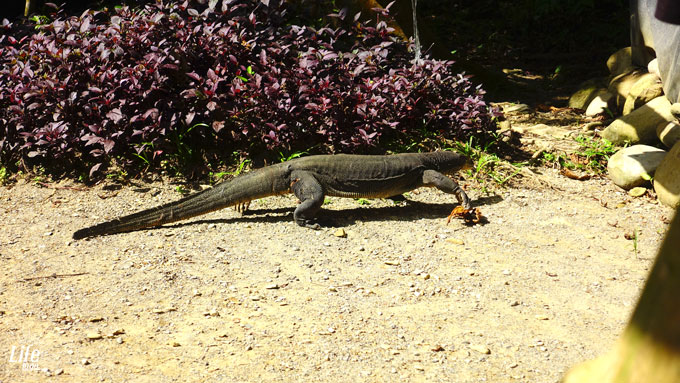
649, 349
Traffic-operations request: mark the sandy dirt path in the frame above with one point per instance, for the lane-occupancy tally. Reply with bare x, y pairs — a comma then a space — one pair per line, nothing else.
548, 282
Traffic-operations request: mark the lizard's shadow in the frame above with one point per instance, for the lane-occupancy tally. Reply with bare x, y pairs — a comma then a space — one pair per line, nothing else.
407, 211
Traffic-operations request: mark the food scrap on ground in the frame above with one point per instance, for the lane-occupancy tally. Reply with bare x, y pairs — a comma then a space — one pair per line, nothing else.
470, 216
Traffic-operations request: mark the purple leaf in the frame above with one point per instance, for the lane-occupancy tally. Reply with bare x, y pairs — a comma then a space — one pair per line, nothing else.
94, 169
115, 115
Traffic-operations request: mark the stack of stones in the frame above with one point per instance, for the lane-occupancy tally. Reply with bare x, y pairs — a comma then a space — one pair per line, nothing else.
648, 122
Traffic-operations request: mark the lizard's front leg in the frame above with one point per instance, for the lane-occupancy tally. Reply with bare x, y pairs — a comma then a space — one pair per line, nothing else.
311, 195
447, 185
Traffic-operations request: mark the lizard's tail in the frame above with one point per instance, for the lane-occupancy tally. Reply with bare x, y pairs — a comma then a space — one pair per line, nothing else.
253, 185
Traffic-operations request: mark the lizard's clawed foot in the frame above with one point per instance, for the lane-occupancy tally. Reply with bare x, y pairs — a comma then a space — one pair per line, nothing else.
316, 223
242, 207
308, 223
470, 216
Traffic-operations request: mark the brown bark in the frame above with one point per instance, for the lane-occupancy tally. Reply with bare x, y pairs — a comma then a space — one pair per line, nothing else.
649, 348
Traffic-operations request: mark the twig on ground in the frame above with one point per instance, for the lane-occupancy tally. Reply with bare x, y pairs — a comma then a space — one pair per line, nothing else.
46, 185
55, 275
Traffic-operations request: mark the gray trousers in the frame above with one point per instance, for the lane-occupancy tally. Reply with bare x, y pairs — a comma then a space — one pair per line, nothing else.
650, 37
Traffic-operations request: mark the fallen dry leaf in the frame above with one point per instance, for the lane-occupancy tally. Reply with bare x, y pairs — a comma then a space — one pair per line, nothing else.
569, 174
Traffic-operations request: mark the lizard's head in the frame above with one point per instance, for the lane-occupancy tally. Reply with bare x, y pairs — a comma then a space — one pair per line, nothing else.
450, 162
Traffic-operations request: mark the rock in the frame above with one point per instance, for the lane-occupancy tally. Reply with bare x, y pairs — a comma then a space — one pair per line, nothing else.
634, 165
645, 89
94, 335
586, 92
620, 62
667, 178
640, 125
589, 127
668, 133
340, 233
515, 108
637, 191
675, 110
620, 86
653, 67
600, 103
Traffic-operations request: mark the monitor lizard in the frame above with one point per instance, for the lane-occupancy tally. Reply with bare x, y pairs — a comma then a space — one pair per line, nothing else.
310, 179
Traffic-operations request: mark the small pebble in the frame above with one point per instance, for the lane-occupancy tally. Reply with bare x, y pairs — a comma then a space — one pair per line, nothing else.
455, 241
94, 335
480, 349
637, 192
211, 313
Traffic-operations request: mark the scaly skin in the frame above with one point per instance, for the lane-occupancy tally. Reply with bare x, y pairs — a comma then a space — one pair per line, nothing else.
310, 179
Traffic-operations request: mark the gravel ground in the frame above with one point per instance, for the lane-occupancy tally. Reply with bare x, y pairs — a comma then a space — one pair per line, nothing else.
550, 280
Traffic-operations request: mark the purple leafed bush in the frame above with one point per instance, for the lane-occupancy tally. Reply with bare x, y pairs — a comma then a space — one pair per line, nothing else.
186, 83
